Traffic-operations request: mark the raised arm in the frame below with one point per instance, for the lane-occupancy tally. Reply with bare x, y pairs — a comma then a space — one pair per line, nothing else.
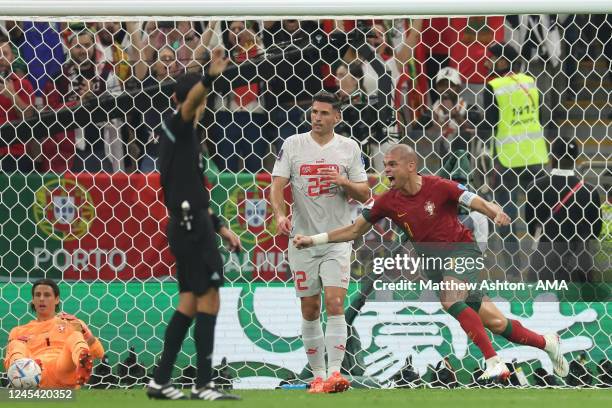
136, 51
277, 199
196, 95
342, 234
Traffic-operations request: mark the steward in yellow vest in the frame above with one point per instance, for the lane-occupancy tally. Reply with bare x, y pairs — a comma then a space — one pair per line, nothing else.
512, 106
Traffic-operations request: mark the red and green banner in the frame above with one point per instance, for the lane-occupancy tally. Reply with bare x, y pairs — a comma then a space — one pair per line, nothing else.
83, 226
112, 226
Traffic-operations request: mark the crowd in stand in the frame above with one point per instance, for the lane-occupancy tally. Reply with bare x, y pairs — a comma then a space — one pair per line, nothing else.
434, 83
396, 78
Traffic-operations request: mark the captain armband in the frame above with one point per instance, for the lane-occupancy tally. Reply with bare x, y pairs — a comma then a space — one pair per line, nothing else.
466, 198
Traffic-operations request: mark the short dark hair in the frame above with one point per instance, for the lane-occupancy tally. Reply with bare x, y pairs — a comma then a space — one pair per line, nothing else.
328, 97
183, 85
47, 282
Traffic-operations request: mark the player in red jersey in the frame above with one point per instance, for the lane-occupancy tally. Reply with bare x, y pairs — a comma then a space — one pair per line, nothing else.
425, 207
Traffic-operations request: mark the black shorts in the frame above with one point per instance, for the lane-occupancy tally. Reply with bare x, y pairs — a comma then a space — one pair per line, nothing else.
199, 265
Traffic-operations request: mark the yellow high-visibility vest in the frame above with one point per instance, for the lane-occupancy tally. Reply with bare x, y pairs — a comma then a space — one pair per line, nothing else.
519, 137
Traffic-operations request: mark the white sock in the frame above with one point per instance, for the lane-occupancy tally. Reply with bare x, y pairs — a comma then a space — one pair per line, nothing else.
492, 362
312, 336
335, 342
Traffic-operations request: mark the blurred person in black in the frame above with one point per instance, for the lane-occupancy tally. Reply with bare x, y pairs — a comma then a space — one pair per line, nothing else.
191, 237
295, 79
359, 117
563, 212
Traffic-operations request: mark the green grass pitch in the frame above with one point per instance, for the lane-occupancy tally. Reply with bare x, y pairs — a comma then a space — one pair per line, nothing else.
463, 398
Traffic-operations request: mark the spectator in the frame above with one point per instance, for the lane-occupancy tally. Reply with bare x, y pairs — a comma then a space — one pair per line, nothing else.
469, 54
16, 102
359, 117
520, 151
42, 52
163, 67
111, 45
412, 87
450, 126
562, 212
439, 35
82, 78
295, 80
182, 37
376, 37
380, 77
12, 30
239, 112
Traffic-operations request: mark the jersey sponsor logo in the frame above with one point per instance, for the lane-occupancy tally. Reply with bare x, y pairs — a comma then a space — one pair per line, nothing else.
430, 208
401, 215
215, 276
63, 209
462, 187
340, 347
313, 169
312, 350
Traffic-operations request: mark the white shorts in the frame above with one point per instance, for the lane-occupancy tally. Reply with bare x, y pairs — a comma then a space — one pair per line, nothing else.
322, 267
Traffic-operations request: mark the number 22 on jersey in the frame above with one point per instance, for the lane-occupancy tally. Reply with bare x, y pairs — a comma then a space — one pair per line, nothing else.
318, 185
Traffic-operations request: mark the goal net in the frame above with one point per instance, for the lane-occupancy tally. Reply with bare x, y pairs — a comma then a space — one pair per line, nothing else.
80, 199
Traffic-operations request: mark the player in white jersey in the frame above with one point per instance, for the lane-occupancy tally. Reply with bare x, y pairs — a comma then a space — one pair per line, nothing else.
325, 171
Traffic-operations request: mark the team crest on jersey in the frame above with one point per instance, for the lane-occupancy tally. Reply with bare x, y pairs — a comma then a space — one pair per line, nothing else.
61, 328
430, 208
